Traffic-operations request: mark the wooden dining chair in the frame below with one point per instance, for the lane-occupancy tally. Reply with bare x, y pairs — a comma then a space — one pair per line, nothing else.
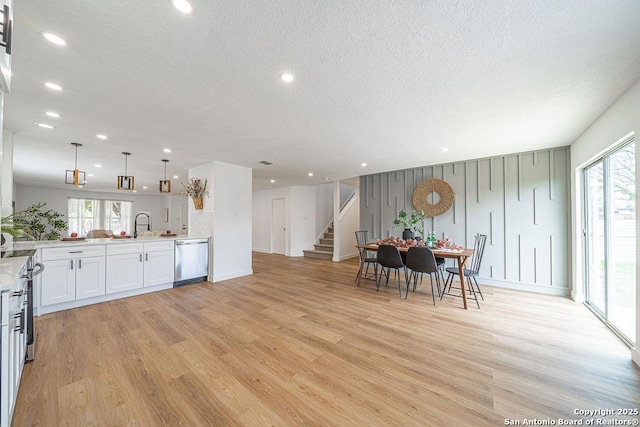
420, 260
472, 272
362, 238
389, 257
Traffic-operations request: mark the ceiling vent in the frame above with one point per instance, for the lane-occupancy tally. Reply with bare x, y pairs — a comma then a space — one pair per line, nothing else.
265, 162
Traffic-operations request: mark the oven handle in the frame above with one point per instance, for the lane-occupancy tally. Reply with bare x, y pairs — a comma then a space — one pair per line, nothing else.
40, 269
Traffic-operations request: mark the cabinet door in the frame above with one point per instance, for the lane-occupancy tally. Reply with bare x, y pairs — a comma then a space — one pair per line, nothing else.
124, 272
4, 372
158, 268
58, 283
90, 277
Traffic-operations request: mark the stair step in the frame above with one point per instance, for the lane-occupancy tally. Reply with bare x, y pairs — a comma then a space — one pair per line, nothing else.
324, 248
326, 242
328, 235
318, 254
330, 230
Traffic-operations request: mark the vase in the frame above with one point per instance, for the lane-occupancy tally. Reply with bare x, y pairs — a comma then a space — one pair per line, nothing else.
197, 203
407, 234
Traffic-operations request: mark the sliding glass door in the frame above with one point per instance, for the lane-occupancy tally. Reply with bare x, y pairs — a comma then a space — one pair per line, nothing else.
610, 239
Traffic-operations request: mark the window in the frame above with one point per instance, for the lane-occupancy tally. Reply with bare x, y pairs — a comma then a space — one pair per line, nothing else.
610, 239
95, 214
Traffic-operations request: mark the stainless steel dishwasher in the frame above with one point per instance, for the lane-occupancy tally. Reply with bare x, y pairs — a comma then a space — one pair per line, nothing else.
191, 261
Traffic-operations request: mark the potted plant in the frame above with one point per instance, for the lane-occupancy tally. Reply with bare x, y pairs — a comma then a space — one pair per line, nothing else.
411, 223
35, 223
196, 188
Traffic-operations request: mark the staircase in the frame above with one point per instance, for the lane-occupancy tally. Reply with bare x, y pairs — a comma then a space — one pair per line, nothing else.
324, 248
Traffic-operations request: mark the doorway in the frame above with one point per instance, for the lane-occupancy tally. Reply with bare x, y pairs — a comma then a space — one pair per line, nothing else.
279, 227
610, 239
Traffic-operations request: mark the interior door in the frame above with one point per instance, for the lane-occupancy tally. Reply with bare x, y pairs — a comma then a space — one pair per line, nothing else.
185, 214
279, 231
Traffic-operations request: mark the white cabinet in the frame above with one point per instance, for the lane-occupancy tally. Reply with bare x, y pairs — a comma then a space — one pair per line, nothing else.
13, 336
158, 263
72, 273
136, 265
125, 267
90, 277
58, 282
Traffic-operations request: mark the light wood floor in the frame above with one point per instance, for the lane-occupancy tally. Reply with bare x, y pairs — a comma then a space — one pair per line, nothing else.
298, 343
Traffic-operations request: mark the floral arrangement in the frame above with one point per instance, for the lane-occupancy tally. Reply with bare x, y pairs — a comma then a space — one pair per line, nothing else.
401, 243
195, 187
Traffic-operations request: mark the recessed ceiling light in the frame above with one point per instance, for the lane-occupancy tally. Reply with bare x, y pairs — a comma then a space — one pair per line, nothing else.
89, 174
182, 6
53, 114
175, 176
45, 125
167, 150
310, 174
57, 40
286, 77
82, 186
101, 136
97, 166
144, 188
364, 165
53, 86
444, 150
273, 180
135, 191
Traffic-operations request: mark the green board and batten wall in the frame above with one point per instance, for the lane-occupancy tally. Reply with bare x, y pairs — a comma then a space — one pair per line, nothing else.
520, 201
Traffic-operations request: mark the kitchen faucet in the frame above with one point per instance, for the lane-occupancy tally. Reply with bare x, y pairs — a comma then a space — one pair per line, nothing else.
135, 223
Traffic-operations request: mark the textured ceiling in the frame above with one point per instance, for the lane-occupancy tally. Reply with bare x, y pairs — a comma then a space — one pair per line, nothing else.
389, 83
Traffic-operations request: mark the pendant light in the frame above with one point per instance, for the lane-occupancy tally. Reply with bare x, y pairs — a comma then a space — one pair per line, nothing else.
165, 185
125, 182
75, 177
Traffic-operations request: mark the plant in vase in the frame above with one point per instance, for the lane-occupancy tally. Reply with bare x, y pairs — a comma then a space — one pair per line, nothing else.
196, 188
35, 223
411, 223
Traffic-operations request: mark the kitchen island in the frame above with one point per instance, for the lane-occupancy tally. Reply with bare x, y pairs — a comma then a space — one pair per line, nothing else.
89, 271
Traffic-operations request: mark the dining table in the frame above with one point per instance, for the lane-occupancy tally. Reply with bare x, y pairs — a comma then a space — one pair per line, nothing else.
460, 255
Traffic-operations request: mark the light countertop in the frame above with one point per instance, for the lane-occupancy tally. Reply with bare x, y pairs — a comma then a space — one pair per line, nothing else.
9, 271
107, 241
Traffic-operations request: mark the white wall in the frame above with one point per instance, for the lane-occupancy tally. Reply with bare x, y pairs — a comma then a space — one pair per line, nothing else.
301, 218
226, 216
56, 199
232, 221
175, 212
324, 206
263, 218
620, 120
346, 223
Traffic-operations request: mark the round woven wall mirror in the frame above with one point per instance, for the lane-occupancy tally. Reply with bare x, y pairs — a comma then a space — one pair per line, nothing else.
442, 200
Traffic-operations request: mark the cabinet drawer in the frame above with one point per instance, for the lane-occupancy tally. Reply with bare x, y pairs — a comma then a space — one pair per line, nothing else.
49, 254
124, 248
165, 245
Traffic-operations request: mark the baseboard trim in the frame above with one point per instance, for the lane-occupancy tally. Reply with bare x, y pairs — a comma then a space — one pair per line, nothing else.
46, 309
343, 257
227, 276
564, 292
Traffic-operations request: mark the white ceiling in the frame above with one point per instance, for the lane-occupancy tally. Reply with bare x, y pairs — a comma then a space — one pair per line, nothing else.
389, 83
